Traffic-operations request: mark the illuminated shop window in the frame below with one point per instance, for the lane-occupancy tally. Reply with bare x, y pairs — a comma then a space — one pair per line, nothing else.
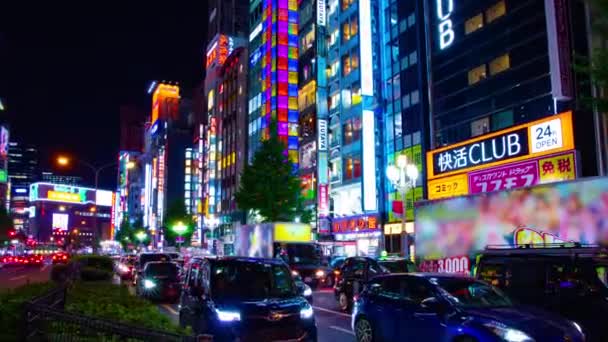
477, 74
350, 28
307, 41
346, 68
500, 64
473, 24
496, 11
333, 69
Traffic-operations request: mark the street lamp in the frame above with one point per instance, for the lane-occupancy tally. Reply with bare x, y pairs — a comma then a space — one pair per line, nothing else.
180, 229
403, 177
141, 236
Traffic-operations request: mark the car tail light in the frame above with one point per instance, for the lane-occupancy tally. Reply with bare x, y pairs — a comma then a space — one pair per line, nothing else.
65, 257
355, 298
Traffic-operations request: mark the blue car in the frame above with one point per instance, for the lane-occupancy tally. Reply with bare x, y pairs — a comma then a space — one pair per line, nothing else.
442, 307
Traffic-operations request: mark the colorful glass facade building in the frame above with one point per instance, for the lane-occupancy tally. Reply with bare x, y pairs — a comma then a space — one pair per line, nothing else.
274, 53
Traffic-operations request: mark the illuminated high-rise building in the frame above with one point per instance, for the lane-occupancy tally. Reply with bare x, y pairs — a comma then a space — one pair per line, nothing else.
355, 118
222, 147
273, 76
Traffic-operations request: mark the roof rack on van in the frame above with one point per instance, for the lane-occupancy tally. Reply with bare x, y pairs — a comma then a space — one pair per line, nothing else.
562, 248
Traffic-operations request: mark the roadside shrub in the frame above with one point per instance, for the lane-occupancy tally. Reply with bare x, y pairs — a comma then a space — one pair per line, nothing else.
60, 273
100, 262
94, 274
12, 305
114, 302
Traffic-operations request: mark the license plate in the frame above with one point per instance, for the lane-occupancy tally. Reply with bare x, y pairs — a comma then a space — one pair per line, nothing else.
308, 279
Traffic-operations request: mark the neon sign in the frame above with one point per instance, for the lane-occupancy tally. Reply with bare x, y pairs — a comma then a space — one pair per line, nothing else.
446, 30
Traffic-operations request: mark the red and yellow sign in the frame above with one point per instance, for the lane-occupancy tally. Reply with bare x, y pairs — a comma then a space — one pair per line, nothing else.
448, 187
63, 196
558, 168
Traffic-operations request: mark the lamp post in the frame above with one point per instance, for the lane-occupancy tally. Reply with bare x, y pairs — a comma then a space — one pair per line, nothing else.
403, 177
65, 161
180, 229
141, 236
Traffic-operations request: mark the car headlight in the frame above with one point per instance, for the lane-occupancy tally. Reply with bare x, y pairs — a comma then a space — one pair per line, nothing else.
307, 291
123, 268
149, 284
306, 312
578, 327
320, 274
227, 315
294, 273
508, 334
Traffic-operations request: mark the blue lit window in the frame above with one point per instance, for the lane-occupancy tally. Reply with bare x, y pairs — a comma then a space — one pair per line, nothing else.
413, 58
411, 20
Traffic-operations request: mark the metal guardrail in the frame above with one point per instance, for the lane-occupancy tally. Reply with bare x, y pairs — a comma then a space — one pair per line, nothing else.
45, 320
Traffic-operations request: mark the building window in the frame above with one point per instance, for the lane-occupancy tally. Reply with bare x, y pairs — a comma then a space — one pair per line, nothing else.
404, 63
352, 168
349, 63
477, 74
411, 20
334, 100
406, 101
502, 120
333, 69
402, 26
413, 58
473, 24
333, 38
479, 127
356, 96
415, 97
500, 64
346, 4
350, 28
398, 125
352, 131
496, 11
307, 41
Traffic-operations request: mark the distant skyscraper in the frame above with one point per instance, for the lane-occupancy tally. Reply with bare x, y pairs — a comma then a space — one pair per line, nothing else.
22, 171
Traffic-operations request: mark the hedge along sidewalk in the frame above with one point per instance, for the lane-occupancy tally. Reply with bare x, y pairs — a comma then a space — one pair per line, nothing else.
11, 307
114, 302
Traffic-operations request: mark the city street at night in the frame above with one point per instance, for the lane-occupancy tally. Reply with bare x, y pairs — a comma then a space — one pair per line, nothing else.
304, 170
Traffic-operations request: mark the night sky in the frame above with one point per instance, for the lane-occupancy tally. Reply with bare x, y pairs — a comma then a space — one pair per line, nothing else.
64, 72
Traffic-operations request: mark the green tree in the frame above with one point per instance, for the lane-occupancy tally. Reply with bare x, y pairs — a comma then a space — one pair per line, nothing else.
269, 185
595, 66
125, 235
6, 225
176, 214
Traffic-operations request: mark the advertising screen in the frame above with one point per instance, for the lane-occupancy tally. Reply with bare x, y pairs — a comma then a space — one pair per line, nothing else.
574, 211
60, 222
254, 241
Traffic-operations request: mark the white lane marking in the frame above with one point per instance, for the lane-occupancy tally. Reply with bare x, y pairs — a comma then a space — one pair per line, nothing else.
331, 311
170, 309
16, 278
342, 330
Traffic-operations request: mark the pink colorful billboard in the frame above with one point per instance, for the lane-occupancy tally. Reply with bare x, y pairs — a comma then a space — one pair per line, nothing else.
449, 230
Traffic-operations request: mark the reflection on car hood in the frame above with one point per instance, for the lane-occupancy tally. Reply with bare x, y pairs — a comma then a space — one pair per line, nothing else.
261, 308
539, 324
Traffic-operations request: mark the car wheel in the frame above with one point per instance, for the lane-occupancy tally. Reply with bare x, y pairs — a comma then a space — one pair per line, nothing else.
364, 331
344, 302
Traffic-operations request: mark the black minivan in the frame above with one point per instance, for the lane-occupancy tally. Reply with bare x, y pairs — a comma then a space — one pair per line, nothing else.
354, 273
245, 299
569, 280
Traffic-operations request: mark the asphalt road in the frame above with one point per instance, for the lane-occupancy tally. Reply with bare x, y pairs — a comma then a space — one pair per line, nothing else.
332, 325
15, 276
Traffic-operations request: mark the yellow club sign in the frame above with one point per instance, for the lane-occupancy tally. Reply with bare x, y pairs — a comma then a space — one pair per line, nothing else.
550, 135
63, 196
292, 232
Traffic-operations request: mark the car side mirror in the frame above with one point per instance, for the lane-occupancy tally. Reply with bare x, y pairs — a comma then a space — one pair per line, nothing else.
374, 289
432, 304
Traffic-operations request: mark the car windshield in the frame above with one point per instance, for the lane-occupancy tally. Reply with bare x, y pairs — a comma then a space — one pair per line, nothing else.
471, 293
337, 262
306, 254
398, 266
146, 258
162, 269
242, 280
